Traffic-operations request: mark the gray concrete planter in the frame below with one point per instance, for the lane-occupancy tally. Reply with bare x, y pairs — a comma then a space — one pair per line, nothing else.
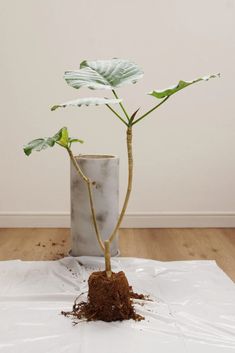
103, 171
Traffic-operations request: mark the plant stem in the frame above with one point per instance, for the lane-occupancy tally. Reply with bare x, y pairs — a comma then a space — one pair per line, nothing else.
121, 105
117, 114
129, 186
76, 165
88, 182
150, 111
107, 258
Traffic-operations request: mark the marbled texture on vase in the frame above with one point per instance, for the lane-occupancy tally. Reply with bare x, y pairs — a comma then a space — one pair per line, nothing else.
103, 171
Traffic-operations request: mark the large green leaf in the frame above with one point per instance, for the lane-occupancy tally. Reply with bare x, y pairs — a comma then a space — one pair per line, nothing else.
87, 101
61, 138
180, 85
104, 74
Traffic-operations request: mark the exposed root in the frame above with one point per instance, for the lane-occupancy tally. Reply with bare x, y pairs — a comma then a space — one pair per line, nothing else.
109, 299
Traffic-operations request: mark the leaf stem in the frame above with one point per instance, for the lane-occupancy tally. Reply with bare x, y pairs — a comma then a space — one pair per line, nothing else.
88, 182
150, 111
121, 105
117, 114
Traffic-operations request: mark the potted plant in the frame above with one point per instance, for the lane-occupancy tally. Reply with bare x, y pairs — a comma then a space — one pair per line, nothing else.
109, 294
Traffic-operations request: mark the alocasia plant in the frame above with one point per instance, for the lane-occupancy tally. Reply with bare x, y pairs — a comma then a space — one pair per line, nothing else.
107, 75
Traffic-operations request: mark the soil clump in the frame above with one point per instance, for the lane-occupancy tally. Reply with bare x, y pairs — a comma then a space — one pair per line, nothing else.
109, 299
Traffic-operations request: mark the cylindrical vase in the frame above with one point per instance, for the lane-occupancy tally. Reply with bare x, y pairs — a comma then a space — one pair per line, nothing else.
103, 171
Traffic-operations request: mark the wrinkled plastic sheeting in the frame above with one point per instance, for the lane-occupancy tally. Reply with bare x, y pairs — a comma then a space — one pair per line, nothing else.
192, 308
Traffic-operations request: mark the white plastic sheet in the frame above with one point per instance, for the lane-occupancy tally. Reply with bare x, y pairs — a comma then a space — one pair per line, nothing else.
193, 308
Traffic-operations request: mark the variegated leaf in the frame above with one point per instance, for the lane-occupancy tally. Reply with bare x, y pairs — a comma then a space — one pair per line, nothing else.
38, 145
104, 74
179, 86
61, 138
87, 101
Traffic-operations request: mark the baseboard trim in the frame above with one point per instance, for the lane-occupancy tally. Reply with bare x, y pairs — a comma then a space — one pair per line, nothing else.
131, 220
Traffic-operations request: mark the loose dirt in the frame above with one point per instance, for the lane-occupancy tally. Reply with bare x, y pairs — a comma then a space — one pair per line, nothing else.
109, 299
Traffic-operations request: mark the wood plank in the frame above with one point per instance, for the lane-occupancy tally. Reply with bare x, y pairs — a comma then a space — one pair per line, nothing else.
158, 244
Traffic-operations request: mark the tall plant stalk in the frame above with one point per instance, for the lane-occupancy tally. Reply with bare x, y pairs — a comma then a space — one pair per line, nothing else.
105, 246
107, 257
129, 185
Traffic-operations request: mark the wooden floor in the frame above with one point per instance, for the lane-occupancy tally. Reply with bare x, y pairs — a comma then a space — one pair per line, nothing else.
158, 244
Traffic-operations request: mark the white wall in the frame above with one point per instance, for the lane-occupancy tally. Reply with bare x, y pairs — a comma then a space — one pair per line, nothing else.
184, 153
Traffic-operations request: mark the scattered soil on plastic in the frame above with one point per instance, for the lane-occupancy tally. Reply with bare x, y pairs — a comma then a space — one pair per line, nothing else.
109, 299
137, 296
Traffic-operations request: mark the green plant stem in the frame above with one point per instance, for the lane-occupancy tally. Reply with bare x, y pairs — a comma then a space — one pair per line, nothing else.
117, 114
129, 186
88, 182
151, 110
121, 105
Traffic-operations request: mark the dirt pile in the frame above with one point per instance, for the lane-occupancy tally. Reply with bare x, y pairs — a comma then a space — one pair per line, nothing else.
109, 299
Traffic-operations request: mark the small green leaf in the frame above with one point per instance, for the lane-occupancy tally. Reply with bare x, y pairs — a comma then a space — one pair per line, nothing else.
179, 86
61, 138
71, 140
87, 101
38, 145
